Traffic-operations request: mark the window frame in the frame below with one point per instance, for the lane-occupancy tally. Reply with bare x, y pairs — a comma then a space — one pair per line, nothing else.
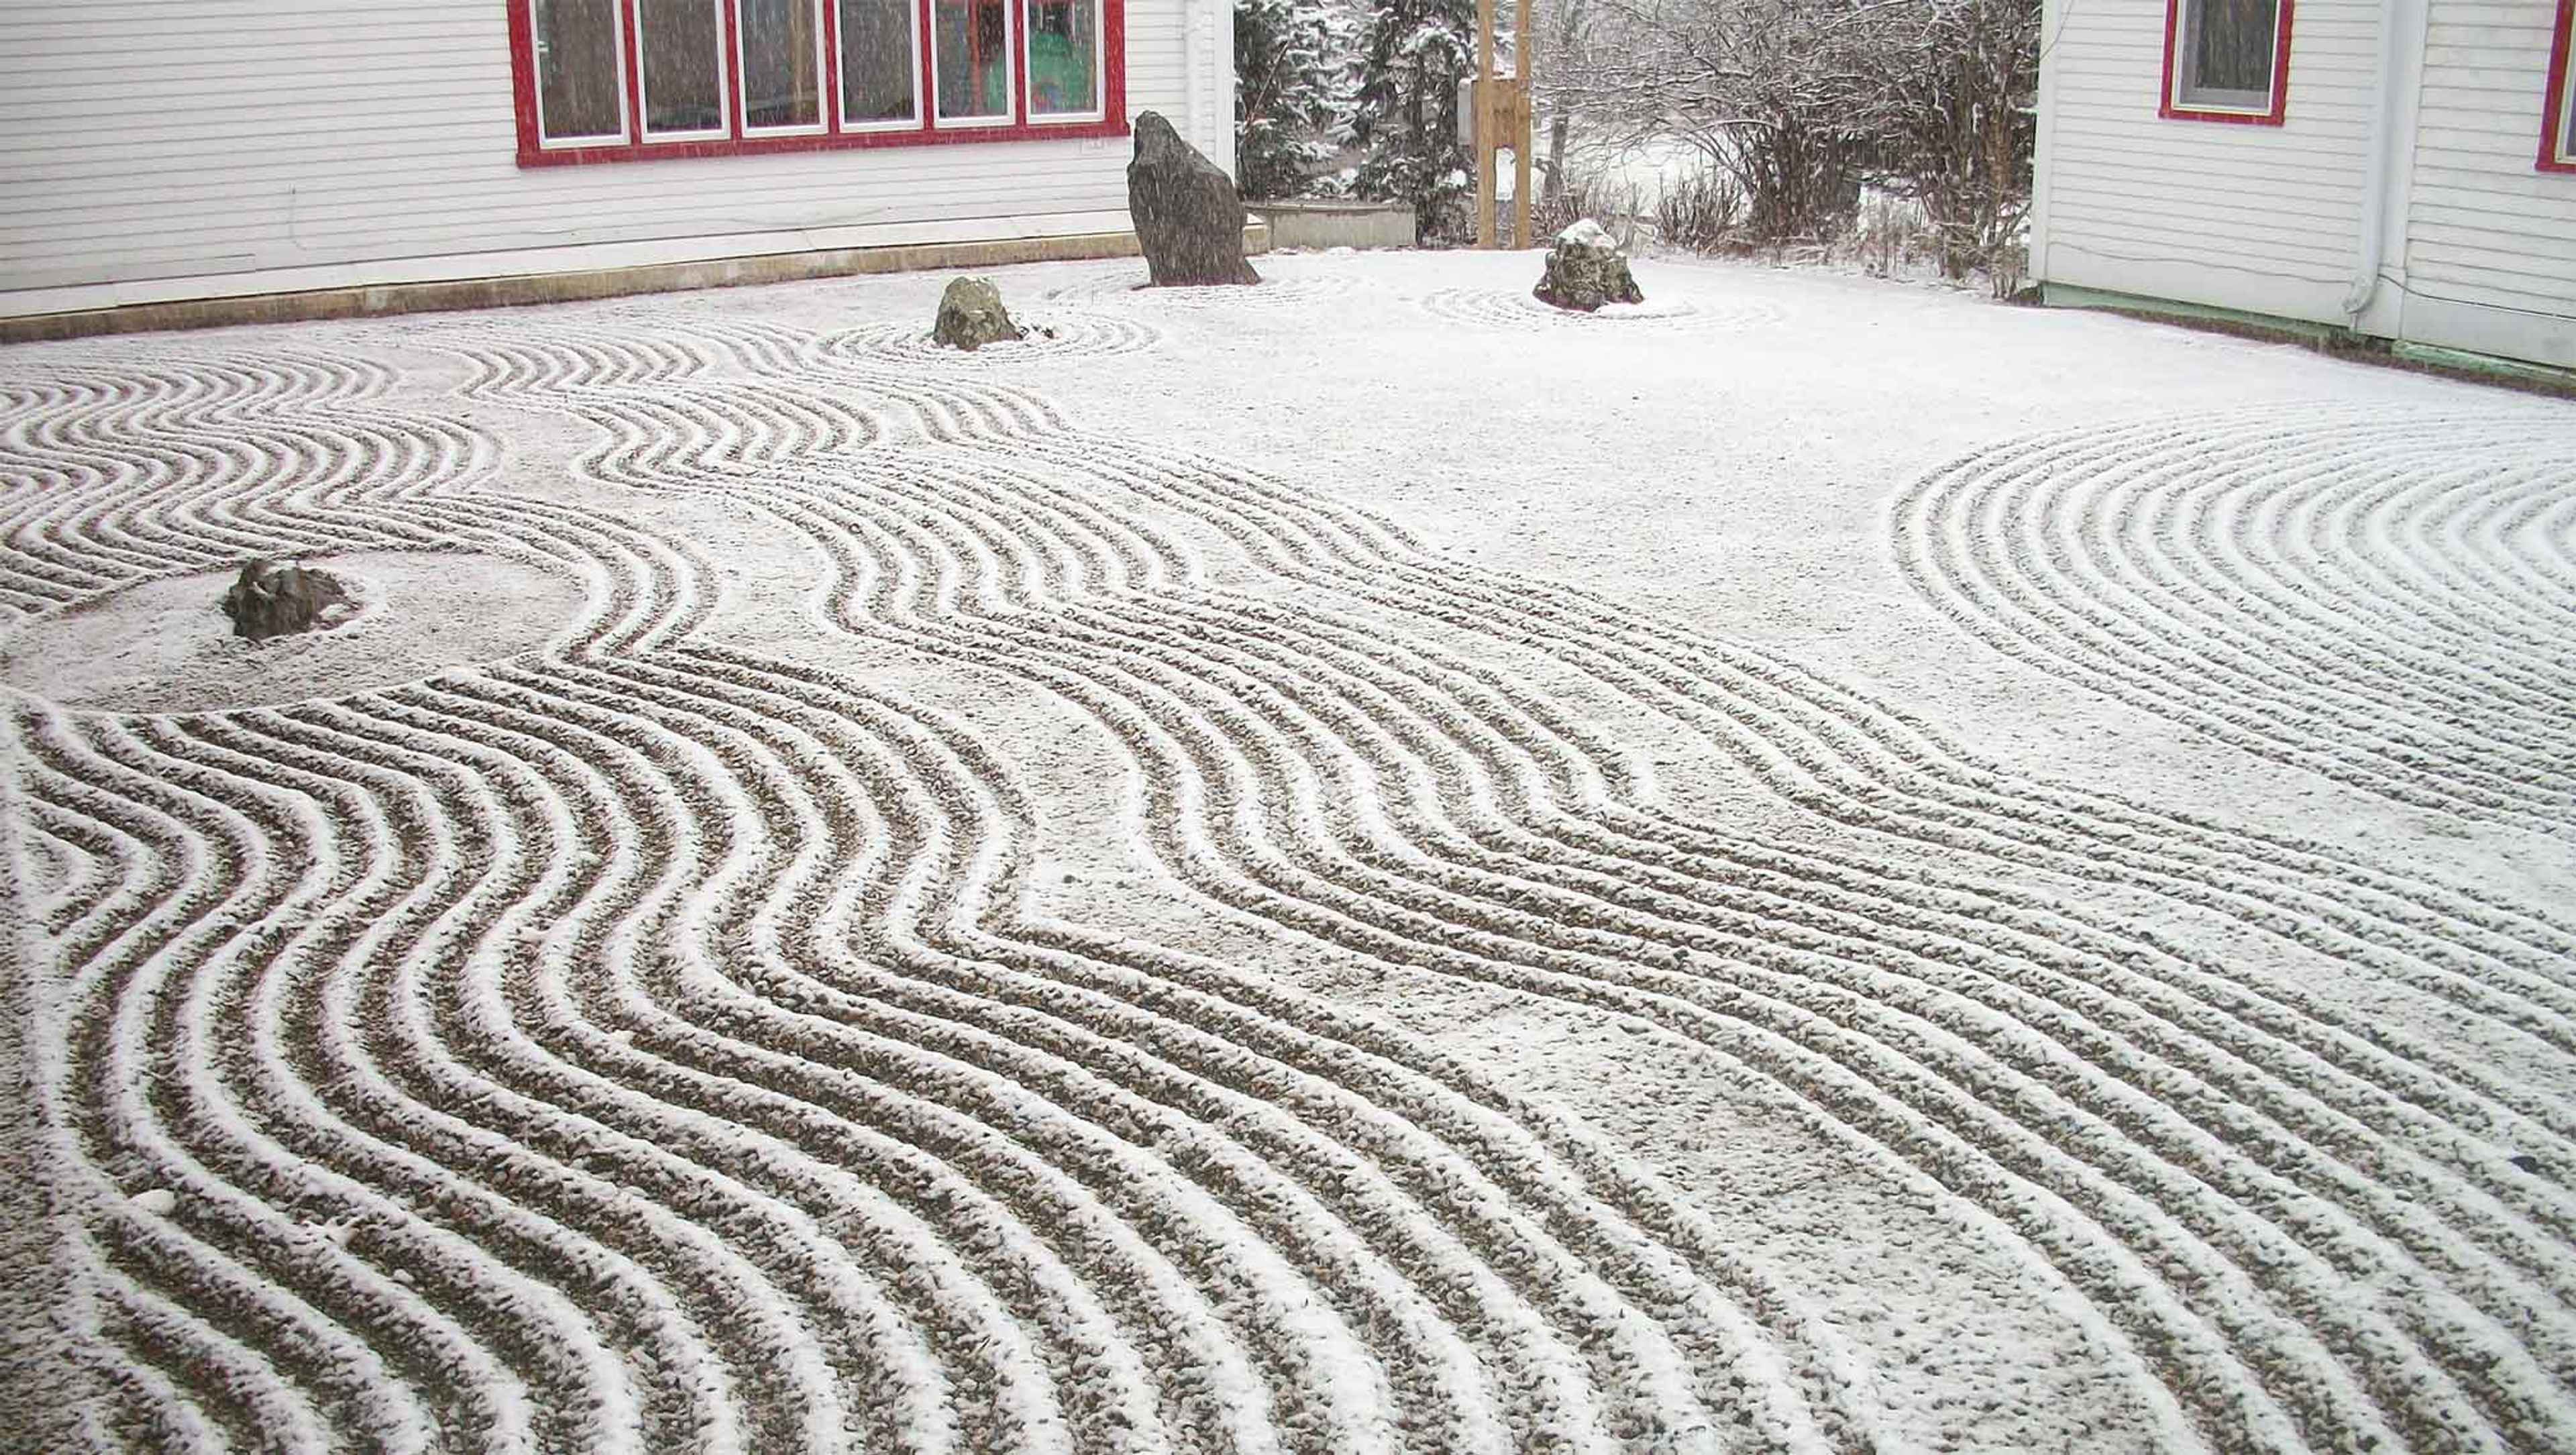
838, 133
532, 125
2172, 107
1099, 67
824, 13
727, 91
915, 41
2558, 108
1015, 76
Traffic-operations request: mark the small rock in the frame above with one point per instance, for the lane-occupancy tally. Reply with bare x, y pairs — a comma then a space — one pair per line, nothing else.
158, 1201
971, 315
1585, 269
270, 601
1189, 219
2527, 1162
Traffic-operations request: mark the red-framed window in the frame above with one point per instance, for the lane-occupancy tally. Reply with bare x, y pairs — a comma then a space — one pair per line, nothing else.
2558, 114
2227, 60
630, 80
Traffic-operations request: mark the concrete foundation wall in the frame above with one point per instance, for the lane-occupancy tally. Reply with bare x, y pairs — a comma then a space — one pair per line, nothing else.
1336, 224
565, 287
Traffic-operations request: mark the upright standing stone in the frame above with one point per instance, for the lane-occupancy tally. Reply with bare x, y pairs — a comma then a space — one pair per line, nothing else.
971, 315
271, 601
1188, 219
1585, 269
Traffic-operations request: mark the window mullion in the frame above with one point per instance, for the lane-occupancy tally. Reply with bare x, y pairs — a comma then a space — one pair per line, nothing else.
634, 61
925, 60
834, 122
737, 121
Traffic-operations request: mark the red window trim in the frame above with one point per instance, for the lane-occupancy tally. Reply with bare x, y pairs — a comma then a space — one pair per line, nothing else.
928, 132
2557, 151
2172, 110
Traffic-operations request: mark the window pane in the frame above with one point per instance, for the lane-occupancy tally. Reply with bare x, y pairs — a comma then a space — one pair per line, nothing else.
782, 68
2567, 122
877, 53
683, 65
1064, 57
2231, 51
577, 73
974, 45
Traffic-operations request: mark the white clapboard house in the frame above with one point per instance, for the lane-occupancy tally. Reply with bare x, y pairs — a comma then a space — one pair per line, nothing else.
2404, 169
224, 149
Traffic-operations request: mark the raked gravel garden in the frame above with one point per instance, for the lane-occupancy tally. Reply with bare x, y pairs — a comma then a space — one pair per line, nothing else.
1354, 864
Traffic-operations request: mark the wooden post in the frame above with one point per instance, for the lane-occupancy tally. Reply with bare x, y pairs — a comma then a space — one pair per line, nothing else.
1498, 110
1522, 123
1487, 117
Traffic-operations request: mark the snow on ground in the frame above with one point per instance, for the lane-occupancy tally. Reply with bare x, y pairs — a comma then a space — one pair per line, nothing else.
1341, 866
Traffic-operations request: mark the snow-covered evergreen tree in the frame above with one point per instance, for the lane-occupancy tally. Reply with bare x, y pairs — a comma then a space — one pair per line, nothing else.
1413, 54
1293, 78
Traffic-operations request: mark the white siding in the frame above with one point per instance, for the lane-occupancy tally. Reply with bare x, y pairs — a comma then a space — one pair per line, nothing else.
2258, 218
171, 148
2491, 239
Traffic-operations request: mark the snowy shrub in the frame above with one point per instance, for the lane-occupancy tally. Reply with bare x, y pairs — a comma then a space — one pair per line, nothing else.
1700, 211
1413, 54
1295, 78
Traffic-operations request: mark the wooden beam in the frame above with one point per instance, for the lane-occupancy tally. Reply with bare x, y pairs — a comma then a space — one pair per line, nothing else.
1522, 123
1488, 122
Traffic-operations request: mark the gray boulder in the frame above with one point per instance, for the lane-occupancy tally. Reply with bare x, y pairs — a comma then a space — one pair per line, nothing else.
1585, 269
971, 315
1189, 221
271, 601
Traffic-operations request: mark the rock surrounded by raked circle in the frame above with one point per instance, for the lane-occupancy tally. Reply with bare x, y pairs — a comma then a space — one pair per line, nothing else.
1189, 219
272, 601
971, 315
1585, 269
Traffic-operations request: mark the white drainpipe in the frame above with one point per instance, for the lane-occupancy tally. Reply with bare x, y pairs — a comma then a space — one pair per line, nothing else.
2392, 143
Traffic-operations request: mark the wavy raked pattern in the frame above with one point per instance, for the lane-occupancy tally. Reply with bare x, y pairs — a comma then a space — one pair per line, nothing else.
990, 539
635, 1048
2387, 598
644, 1046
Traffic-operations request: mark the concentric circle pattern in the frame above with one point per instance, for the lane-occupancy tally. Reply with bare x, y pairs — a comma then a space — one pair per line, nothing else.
165, 646
1520, 309
649, 1044
2385, 598
1122, 286
1054, 335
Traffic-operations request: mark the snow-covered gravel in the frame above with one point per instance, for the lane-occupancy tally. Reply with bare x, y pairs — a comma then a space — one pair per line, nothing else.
1349, 865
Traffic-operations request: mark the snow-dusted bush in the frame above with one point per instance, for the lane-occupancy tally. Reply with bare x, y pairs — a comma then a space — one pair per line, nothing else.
1295, 77
1700, 211
1413, 54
